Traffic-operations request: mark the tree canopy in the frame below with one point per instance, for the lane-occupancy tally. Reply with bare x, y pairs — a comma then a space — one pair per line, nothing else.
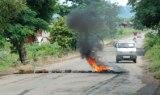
43, 8
147, 12
18, 21
61, 34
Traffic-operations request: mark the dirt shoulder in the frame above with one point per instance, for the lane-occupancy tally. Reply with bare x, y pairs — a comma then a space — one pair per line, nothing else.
41, 62
152, 85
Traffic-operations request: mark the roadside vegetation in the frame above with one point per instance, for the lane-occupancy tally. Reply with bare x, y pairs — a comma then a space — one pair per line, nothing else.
147, 16
20, 19
37, 51
7, 59
152, 47
123, 32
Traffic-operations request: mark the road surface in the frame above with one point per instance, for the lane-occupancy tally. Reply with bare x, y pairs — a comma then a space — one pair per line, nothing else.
79, 83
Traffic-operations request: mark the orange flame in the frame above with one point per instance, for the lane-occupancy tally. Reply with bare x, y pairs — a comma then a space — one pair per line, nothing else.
97, 68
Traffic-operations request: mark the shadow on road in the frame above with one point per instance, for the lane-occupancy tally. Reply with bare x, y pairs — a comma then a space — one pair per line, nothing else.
150, 89
126, 62
140, 51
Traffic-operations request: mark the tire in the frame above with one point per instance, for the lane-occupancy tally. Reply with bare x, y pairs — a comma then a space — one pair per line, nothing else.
135, 60
117, 61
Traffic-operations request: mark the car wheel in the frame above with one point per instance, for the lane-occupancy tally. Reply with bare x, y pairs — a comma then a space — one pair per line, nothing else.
117, 61
135, 60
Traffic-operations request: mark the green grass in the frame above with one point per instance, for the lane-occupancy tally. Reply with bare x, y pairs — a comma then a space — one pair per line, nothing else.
154, 55
8, 61
6, 58
35, 51
123, 32
152, 46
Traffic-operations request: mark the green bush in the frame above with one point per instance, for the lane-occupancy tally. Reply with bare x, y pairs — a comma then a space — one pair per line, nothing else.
6, 57
151, 39
7, 61
154, 55
2, 41
121, 32
152, 46
61, 34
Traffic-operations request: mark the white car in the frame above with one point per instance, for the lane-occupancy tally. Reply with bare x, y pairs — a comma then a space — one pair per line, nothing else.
126, 51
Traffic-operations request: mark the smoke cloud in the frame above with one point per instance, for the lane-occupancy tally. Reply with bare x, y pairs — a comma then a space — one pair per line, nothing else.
88, 22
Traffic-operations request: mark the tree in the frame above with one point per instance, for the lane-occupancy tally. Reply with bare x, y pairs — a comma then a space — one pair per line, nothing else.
61, 34
44, 8
147, 13
18, 22
63, 10
2, 41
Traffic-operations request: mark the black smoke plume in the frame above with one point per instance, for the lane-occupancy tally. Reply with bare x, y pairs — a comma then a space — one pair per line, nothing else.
87, 21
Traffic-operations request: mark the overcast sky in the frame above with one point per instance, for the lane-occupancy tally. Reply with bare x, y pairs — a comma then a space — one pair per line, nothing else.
120, 2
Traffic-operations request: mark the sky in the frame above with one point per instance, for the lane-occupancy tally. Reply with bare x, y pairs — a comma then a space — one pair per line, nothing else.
125, 10
119, 2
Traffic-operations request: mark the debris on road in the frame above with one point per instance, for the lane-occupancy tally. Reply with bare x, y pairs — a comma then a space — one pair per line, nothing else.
67, 71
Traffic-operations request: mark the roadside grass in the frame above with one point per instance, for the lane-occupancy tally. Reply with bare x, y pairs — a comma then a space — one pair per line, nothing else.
154, 55
152, 46
7, 59
35, 50
123, 32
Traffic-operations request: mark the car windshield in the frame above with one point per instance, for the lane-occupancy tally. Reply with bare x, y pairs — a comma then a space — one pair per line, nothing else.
125, 45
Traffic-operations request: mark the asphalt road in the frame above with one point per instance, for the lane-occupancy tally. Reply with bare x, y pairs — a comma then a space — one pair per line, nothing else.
79, 83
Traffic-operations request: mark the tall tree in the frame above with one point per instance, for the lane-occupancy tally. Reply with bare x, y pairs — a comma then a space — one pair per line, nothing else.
63, 10
17, 21
61, 34
44, 8
147, 13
